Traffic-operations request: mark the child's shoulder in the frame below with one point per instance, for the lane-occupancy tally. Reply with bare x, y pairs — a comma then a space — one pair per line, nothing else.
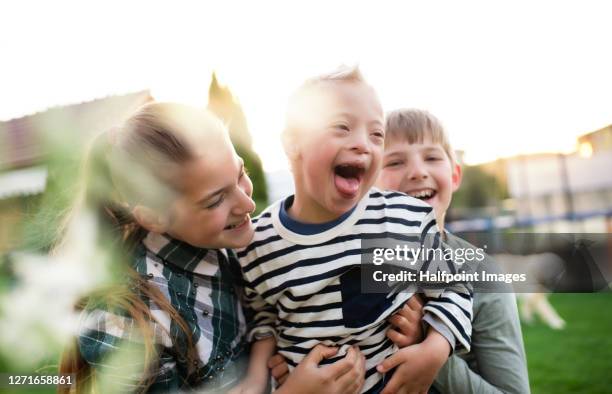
389, 199
263, 225
265, 217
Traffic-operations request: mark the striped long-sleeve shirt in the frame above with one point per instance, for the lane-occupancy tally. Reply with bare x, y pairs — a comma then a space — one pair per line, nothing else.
303, 283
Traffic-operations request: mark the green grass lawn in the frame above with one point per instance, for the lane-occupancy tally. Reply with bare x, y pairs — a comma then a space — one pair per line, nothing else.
577, 359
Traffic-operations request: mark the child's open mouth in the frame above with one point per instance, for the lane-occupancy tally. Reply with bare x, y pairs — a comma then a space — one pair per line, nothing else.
424, 194
347, 178
238, 225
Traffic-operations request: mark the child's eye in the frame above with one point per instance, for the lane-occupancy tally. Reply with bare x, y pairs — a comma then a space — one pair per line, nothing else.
378, 134
216, 203
342, 127
394, 163
432, 158
243, 171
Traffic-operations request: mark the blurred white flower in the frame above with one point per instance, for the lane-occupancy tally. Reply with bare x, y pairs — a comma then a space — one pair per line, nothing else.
37, 314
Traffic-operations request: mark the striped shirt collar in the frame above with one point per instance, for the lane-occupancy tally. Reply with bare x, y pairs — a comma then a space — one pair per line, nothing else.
324, 236
307, 228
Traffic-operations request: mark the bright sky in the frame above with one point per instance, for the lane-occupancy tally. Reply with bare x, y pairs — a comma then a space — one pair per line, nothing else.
505, 78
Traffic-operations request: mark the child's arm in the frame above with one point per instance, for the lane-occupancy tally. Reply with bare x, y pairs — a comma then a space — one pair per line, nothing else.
448, 308
498, 348
261, 334
256, 380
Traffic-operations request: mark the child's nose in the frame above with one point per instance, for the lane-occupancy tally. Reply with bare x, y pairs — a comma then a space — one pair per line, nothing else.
416, 172
245, 203
360, 143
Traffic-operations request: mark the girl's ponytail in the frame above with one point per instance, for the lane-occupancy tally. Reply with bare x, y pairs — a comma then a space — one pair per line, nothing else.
109, 186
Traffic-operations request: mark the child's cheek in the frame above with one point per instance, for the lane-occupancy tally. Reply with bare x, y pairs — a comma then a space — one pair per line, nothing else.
388, 180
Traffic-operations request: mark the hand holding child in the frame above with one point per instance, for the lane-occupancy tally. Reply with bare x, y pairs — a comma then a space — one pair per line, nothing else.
278, 368
407, 329
417, 365
344, 376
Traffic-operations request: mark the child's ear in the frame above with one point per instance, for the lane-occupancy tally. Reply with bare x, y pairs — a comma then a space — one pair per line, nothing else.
149, 219
456, 177
290, 144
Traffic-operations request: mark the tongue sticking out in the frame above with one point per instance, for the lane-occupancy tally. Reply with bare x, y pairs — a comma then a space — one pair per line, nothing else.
347, 186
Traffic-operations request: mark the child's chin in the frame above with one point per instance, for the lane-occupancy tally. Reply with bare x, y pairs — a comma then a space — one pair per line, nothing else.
345, 204
241, 239
430, 201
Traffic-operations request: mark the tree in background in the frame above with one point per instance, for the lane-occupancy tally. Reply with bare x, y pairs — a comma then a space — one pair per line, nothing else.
222, 103
480, 190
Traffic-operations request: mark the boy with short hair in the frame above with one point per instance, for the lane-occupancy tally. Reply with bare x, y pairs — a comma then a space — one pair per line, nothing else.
420, 162
302, 267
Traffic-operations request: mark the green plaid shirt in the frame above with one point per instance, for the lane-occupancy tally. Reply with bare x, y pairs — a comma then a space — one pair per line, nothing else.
200, 285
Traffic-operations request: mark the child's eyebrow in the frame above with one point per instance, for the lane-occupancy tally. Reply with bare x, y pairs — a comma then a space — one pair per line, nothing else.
435, 148
375, 123
221, 190
343, 115
394, 153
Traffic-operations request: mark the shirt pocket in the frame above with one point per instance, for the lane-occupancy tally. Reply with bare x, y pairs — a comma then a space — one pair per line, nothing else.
360, 309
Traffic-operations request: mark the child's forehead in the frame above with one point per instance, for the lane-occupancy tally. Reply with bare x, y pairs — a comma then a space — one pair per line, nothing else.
400, 140
340, 93
321, 102
214, 144
403, 145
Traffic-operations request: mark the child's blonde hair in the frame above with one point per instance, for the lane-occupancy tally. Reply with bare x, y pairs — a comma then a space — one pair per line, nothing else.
414, 126
343, 73
297, 107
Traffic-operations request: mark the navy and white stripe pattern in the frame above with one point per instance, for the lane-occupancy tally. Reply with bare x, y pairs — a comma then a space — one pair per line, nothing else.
200, 285
303, 288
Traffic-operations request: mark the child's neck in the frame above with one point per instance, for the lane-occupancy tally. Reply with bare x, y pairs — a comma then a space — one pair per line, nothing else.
310, 212
440, 223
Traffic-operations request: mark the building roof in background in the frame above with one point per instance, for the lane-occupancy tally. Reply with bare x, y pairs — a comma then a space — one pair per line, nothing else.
22, 139
22, 182
600, 140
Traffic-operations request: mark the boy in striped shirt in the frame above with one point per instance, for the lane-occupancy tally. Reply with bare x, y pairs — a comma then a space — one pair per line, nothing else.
301, 270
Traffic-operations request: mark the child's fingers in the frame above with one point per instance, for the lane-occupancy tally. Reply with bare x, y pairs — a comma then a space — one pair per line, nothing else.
404, 325
362, 369
348, 387
275, 360
352, 381
318, 353
390, 362
279, 372
409, 314
345, 365
415, 303
399, 339
282, 379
